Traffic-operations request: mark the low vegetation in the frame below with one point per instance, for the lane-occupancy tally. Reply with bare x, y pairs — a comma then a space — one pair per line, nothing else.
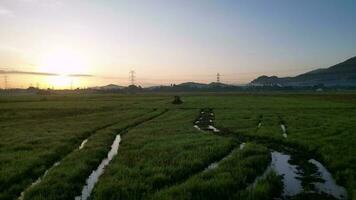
164, 157
159, 153
233, 175
77, 166
270, 187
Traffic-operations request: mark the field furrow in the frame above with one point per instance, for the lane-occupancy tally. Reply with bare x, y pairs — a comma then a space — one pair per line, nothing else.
77, 166
159, 153
226, 181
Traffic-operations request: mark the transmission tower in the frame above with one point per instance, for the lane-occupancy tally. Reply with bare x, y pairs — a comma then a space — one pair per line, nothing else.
132, 77
218, 77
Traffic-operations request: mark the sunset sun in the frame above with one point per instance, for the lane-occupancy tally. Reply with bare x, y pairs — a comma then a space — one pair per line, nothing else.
62, 65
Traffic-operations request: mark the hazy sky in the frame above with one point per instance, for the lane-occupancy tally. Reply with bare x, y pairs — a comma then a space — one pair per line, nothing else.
171, 41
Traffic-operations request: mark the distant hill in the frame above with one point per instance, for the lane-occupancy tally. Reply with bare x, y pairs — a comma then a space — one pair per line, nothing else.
203, 85
109, 87
342, 74
193, 85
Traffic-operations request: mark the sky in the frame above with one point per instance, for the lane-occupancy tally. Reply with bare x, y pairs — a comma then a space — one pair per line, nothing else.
171, 41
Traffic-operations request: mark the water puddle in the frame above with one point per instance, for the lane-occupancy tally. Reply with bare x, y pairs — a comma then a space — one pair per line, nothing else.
329, 185
197, 127
205, 121
215, 130
302, 176
212, 166
260, 118
83, 144
46, 172
242, 146
216, 164
291, 178
94, 176
284, 130
22, 195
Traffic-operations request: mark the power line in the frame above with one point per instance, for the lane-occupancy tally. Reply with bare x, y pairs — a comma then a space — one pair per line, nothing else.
218, 77
132, 77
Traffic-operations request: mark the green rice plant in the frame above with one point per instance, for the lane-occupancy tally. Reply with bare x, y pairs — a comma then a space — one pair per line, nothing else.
234, 173
70, 175
267, 188
162, 152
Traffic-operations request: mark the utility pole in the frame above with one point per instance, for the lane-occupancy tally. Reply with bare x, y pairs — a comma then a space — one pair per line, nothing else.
218, 77
132, 77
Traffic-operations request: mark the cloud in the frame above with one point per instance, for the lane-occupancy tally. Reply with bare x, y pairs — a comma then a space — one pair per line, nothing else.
5, 12
40, 73
44, 3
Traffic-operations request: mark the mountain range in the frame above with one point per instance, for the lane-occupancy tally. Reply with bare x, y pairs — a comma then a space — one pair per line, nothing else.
342, 74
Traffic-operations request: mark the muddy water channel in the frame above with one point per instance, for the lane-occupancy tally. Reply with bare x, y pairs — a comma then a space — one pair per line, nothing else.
94, 176
301, 175
39, 179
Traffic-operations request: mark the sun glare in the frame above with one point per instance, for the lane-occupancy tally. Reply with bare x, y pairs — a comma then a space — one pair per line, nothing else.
62, 63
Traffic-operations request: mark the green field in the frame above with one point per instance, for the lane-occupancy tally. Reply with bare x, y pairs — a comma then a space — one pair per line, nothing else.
161, 154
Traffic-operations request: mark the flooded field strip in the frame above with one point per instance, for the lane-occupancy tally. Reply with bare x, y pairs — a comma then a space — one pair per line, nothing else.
284, 130
329, 185
205, 122
242, 146
95, 175
296, 170
22, 195
81, 146
294, 176
283, 126
39, 179
216, 163
259, 125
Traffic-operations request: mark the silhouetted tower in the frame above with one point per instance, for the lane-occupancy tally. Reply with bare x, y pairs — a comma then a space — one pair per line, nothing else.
132, 77
37, 85
218, 77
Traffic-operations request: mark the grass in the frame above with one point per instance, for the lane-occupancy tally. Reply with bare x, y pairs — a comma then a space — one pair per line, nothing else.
166, 154
267, 188
77, 166
35, 133
324, 127
162, 152
232, 175
28, 149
